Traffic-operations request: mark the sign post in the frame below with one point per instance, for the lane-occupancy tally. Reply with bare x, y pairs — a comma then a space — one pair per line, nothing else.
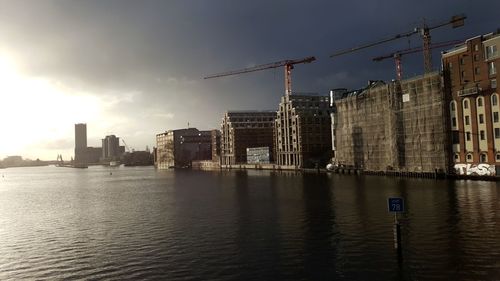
396, 205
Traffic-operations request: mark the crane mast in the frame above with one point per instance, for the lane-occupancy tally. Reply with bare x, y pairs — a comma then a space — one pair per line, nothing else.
398, 54
424, 31
288, 65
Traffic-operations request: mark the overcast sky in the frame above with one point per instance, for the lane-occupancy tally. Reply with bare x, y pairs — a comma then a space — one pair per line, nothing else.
135, 68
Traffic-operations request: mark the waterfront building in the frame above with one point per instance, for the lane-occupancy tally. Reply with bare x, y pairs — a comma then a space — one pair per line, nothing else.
303, 131
335, 94
397, 127
178, 148
111, 149
12, 161
245, 129
137, 158
216, 145
81, 143
471, 73
93, 155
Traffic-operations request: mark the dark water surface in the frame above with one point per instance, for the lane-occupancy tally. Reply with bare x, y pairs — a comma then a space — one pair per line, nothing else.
139, 223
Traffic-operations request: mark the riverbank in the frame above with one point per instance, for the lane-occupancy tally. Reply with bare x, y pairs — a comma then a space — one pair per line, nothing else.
210, 165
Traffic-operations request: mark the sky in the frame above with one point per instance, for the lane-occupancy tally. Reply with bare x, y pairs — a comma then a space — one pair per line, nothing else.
136, 68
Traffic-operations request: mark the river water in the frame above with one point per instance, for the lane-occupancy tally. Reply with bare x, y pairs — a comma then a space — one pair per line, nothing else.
144, 224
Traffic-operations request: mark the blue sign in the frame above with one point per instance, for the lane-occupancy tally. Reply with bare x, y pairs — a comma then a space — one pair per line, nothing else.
396, 205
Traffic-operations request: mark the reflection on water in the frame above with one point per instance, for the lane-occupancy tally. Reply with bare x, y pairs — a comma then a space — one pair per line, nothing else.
140, 223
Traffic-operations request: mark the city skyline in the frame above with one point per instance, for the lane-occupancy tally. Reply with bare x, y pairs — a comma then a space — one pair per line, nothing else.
134, 69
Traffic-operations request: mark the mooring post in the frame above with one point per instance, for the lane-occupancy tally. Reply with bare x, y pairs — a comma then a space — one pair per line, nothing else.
396, 205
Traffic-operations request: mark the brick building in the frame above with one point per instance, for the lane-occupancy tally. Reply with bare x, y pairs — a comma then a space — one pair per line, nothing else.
470, 72
178, 148
245, 129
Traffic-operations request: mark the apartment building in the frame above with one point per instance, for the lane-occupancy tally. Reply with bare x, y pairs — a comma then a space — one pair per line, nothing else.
471, 74
303, 135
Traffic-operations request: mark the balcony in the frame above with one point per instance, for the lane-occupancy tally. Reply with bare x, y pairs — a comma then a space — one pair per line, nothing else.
469, 91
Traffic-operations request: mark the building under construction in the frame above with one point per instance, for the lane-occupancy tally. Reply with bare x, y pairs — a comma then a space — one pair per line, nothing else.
400, 126
303, 131
245, 129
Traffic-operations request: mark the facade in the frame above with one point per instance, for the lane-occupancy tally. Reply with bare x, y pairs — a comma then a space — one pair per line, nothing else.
111, 148
94, 155
137, 158
216, 137
471, 73
81, 143
178, 148
400, 126
13, 161
245, 129
303, 131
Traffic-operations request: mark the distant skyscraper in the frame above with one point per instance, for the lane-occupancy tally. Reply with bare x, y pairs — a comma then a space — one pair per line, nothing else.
81, 143
111, 148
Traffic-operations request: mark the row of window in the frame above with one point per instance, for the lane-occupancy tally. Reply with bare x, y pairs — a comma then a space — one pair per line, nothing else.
479, 102
482, 135
480, 119
483, 157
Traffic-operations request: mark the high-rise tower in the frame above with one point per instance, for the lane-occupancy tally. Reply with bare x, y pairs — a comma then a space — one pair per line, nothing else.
80, 143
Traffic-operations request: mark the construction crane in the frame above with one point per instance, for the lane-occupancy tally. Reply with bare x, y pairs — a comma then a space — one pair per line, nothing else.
424, 31
456, 21
288, 64
126, 146
398, 54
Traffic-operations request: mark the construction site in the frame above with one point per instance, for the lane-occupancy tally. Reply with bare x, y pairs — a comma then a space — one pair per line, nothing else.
394, 127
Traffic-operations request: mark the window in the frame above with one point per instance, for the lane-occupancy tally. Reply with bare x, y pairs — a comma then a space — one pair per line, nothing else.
494, 99
466, 104
491, 51
476, 57
481, 134
479, 101
452, 106
467, 136
457, 157
463, 74
492, 70
455, 137
469, 156
483, 158
497, 157
450, 65
462, 61
453, 121
497, 133
476, 47
481, 119
495, 116
493, 83
476, 70
467, 120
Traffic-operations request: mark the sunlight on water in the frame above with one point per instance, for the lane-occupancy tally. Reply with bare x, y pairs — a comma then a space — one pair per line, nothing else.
140, 223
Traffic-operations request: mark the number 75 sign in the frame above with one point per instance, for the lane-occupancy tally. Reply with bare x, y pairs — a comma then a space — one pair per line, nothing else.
396, 204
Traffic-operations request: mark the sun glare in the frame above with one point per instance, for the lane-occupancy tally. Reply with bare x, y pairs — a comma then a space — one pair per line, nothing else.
36, 111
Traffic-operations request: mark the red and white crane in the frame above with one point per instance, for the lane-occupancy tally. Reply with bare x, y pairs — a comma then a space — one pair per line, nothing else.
398, 54
288, 64
423, 30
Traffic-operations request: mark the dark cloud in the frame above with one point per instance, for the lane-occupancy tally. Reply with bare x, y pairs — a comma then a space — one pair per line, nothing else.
160, 50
